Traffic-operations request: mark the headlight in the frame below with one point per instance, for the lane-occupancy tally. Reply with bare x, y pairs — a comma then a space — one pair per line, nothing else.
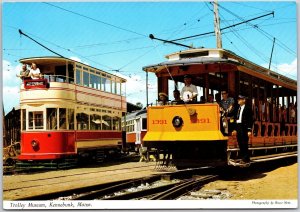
35, 144
177, 121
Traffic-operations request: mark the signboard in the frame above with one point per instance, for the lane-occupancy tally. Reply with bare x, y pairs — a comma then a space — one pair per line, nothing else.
36, 83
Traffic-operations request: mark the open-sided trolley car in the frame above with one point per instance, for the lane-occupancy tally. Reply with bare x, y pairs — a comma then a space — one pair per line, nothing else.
191, 133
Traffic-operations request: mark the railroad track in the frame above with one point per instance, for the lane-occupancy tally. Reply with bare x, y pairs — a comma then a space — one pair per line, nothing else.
175, 184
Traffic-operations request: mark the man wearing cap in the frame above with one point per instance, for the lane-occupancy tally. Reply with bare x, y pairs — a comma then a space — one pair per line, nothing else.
244, 122
163, 98
189, 91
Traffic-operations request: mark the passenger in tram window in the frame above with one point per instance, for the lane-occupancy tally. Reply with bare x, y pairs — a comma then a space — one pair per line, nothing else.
163, 99
189, 91
35, 72
283, 113
227, 112
292, 113
210, 99
226, 103
177, 100
243, 129
24, 73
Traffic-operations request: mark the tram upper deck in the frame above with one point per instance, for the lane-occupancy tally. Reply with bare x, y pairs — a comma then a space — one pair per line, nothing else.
72, 82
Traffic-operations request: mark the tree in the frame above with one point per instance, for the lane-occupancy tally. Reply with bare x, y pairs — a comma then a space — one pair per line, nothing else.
140, 105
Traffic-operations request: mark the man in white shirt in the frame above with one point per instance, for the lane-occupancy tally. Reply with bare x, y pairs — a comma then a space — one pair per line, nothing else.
35, 72
189, 91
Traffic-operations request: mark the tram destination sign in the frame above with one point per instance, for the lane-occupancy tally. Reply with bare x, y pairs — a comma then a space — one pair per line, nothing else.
37, 83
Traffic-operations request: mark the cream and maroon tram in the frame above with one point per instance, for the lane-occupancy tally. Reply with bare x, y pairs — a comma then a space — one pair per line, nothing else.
191, 133
74, 110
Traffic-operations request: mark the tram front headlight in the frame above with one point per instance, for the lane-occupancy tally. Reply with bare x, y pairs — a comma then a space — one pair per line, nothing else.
35, 144
177, 121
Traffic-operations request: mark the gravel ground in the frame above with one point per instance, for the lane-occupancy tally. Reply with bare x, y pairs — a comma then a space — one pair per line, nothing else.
276, 181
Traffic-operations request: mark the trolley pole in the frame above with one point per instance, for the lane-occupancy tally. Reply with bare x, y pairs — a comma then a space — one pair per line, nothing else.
271, 54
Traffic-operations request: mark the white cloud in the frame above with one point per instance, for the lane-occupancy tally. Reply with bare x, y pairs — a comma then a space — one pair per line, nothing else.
289, 70
11, 97
78, 60
11, 85
286, 69
136, 89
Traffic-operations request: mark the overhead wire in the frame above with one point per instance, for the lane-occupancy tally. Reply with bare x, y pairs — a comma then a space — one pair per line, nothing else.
96, 20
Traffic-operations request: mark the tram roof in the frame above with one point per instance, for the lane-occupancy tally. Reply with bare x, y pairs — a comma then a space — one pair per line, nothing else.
209, 56
47, 60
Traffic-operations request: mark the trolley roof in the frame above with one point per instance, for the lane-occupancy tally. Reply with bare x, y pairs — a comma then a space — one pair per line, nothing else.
53, 60
210, 56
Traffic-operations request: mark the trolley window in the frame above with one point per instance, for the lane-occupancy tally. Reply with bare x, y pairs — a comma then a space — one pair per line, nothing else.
85, 79
107, 84
82, 121
51, 118
106, 122
78, 77
62, 118
95, 122
144, 124
23, 111
36, 120
130, 126
116, 123
94, 81
71, 119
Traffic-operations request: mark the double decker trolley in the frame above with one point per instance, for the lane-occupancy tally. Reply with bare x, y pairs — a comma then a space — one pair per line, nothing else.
72, 111
190, 134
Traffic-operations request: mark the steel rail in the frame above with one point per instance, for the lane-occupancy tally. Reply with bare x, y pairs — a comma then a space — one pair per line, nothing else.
182, 188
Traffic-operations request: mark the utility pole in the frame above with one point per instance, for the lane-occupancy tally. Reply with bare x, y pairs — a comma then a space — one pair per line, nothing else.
217, 25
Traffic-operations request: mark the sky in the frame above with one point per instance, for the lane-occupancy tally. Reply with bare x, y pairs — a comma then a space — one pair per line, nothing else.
114, 36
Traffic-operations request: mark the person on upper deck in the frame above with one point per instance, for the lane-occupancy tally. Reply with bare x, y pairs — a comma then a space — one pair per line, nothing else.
35, 72
189, 91
24, 73
177, 99
163, 98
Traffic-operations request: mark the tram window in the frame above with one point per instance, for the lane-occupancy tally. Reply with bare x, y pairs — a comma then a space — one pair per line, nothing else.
62, 118
99, 83
106, 122
82, 120
116, 123
118, 88
130, 126
71, 119
51, 118
35, 120
103, 84
85, 79
94, 81
23, 111
144, 124
113, 86
95, 122
78, 77
107, 85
